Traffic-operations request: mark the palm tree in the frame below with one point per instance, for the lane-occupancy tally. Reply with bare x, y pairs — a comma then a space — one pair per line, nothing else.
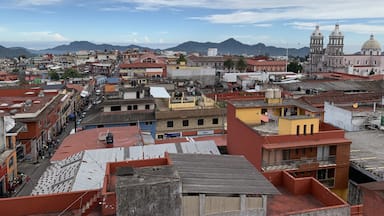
229, 64
241, 64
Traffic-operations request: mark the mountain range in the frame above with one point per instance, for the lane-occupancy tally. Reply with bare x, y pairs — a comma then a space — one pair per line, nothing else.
230, 46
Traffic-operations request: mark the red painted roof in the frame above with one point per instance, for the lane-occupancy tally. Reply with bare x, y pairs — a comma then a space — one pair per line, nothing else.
89, 139
142, 65
77, 87
265, 63
288, 202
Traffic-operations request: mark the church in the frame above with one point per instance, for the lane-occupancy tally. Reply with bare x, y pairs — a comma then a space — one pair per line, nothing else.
369, 61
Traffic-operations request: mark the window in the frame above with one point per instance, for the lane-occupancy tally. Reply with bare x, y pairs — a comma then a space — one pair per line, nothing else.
215, 121
115, 108
297, 129
305, 129
311, 129
185, 123
10, 143
286, 154
134, 107
129, 107
169, 124
332, 150
200, 122
147, 106
160, 136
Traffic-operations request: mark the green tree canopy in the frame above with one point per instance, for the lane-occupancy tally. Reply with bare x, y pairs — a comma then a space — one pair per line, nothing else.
229, 64
71, 73
53, 75
181, 59
294, 67
241, 64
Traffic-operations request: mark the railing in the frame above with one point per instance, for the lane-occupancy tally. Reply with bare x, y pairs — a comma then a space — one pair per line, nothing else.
294, 164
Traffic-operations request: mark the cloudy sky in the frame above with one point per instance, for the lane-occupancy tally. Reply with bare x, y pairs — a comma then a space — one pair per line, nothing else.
164, 23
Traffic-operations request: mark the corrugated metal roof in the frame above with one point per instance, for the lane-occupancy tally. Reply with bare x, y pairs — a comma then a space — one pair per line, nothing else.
220, 174
85, 170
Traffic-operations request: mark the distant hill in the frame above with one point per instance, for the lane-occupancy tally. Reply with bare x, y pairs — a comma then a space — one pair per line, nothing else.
230, 46
14, 52
234, 47
85, 45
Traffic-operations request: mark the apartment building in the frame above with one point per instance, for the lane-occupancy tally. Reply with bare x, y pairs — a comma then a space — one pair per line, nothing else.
124, 107
39, 110
186, 115
286, 134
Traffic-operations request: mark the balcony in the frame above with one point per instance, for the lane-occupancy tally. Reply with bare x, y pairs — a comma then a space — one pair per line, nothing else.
297, 163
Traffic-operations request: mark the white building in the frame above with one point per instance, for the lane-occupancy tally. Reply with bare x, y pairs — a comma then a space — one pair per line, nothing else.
369, 61
212, 52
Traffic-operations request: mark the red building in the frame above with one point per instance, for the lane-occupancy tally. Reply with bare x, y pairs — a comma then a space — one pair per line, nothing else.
285, 134
38, 109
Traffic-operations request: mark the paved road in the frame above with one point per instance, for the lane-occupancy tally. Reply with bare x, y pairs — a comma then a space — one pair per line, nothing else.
35, 171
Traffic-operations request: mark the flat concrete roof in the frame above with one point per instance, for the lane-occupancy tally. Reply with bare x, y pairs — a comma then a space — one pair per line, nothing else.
367, 152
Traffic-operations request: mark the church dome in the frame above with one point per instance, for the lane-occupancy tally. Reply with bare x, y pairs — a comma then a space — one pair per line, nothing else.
336, 31
317, 32
371, 44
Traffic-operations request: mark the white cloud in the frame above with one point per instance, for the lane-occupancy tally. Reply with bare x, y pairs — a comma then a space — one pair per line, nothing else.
43, 36
116, 8
359, 28
37, 2
263, 25
257, 11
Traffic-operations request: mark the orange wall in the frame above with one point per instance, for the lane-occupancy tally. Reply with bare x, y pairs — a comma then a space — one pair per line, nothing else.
243, 140
306, 185
40, 204
373, 203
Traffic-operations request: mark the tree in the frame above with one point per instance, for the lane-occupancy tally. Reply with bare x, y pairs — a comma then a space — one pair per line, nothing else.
181, 59
294, 67
53, 75
241, 64
71, 73
229, 64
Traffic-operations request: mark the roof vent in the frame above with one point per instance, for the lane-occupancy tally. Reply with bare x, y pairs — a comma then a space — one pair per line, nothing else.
41, 94
13, 111
28, 102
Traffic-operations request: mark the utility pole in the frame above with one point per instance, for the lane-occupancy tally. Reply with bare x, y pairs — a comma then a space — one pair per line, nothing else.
286, 61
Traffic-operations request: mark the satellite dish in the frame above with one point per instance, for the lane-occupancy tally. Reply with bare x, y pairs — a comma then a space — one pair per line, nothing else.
355, 105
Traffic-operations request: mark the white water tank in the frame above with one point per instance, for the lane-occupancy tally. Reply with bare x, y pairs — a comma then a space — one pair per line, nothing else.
277, 93
269, 93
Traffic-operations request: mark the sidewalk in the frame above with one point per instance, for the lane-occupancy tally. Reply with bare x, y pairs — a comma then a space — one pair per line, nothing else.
33, 171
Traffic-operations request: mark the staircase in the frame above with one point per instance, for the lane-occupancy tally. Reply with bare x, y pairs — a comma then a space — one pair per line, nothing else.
91, 204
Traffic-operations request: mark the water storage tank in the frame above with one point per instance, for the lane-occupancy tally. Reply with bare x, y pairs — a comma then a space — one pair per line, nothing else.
269, 93
277, 93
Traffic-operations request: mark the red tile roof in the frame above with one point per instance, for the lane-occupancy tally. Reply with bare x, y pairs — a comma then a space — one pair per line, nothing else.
265, 63
89, 139
142, 65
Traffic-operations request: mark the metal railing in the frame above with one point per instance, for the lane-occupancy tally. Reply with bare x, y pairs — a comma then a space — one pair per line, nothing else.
295, 163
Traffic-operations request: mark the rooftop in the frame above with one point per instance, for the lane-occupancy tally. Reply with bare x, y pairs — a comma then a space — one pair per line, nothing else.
285, 103
219, 174
89, 139
278, 204
85, 170
367, 152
